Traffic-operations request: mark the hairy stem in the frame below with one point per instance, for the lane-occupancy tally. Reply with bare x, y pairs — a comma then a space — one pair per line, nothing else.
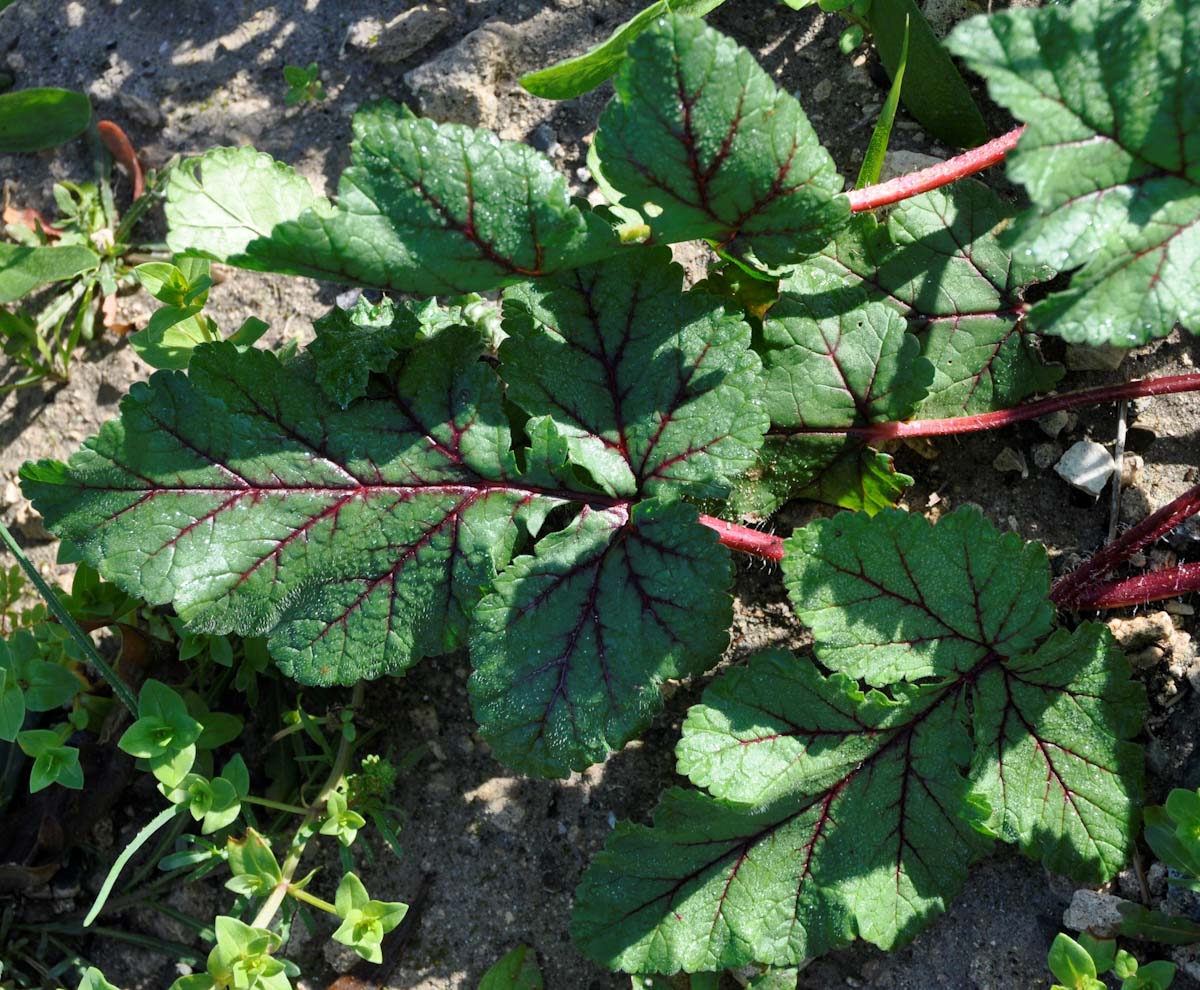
942, 174
745, 539
1155, 586
1077, 587
880, 432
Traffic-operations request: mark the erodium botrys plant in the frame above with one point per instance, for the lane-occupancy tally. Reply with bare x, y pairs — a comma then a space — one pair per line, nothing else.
547, 490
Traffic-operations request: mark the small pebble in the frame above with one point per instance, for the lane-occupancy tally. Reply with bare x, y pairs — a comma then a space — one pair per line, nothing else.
1087, 466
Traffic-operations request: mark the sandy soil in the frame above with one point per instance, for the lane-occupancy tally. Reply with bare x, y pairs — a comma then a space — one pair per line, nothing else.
503, 853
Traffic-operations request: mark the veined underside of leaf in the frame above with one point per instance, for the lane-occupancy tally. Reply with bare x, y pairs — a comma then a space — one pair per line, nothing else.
361, 539
939, 264
425, 208
1110, 157
700, 132
835, 812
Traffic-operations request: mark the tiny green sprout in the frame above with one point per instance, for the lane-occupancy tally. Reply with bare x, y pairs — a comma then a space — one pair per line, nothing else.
93, 979
1076, 965
255, 869
217, 802
375, 780
304, 84
1072, 965
241, 959
1173, 832
516, 970
53, 762
165, 733
29, 682
364, 921
340, 820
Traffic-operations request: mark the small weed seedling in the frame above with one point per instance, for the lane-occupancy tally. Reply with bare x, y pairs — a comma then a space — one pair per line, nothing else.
304, 84
559, 487
1077, 965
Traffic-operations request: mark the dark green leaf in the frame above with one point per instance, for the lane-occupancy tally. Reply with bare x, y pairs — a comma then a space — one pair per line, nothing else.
663, 383
872, 164
933, 91
699, 131
352, 343
23, 269
424, 207
939, 262
33, 119
960, 589
573, 644
1110, 157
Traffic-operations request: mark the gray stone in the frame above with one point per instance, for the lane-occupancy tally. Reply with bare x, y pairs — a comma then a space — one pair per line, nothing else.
1045, 454
1054, 423
1011, 461
902, 162
1087, 466
1094, 912
401, 37
460, 83
944, 14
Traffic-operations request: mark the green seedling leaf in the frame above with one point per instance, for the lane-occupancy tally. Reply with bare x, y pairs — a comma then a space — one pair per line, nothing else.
93, 979
24, 269
872, 164
33, 119
1157, 926
1124, 965
700, 140
1102, 950
364, 921
360, 540
933, 91
836, 811
171, 336
424, 207
1071, 964
1113, 174
242, 958
340, 820
254, 867
164, 734
1157, 975
12, 701
517, 970
53, 763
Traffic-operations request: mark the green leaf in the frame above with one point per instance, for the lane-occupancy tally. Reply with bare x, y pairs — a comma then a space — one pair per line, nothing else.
1053, 757
655, 372
940, 263
424, 207
33, 119
352, 343
516, 970
171, 336
23, 269
1109, 158
835, 811
572, 645
1102, 950
933, 91
872, 165
360, 540
699, 131
1069, 961
959, 589
12, 702
93, 979
1157, 926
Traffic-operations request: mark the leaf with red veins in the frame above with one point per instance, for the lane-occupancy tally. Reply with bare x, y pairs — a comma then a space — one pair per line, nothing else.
892, 597
835, 811
572, 645
1053, 756
700, 134
427, 208
940, 262
663, 394
851, 825
358, 540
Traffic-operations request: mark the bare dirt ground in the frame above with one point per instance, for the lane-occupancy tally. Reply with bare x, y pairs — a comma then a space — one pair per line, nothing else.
503, 854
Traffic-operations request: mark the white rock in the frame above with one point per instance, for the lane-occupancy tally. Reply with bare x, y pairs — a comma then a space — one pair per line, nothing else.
1093, 912
1087, 466
460, 83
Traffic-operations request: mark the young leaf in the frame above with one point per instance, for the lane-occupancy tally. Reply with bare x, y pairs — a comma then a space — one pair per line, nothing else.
352, 343
872, 165
517, 970
700, 132
835, 812
42, 117
1109, 157
424, 207
1069, 961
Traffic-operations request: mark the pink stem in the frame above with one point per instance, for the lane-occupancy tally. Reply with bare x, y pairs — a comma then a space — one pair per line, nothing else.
879, 432
1079, 584
1167, 583
942, 174
745, 539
